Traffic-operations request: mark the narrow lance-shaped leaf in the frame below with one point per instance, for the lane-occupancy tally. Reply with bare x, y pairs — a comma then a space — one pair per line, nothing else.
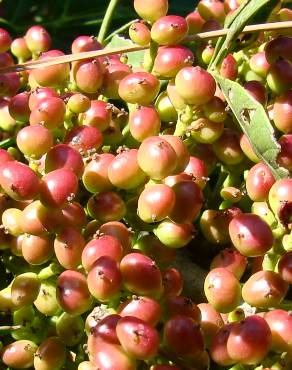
236, 24
254, 122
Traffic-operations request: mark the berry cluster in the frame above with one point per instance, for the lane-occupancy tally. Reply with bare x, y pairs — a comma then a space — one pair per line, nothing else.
110, 169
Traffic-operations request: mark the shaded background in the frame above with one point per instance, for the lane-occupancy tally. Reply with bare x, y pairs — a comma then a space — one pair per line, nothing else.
66, 19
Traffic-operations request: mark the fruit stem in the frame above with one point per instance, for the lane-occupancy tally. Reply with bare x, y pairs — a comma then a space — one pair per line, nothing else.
49, 271
152, 55
6, 143
119, 30
106, 20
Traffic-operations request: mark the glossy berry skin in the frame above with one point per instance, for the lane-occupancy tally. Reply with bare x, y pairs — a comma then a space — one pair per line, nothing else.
112, 76
253, 336
143, 308
151, 10
37, 250
171, 59
53, 75
155, 203
279, 78
18, 180
106, 206
250, 234
282, 112
188, 79
188, 202
62, 156
195, 22
104, 279
264, 289
19, 354
280, 198
58, 187
119, 231
104, 329
144, 122
141, 275
227, 147
280, 323
72, 292
88, 75
212, 9
37, 39
95, 177
139, 88
222, 290
257, 90
85, 43
259, 64
228, 68
180, 305
218, 347
84, 138
181, 151
285, 156
155, 149
51, 354
108, 356
39, 220
124, 171
18, 107
103, 245
172, 282
285, 267
78, 103
215, 110
68, 246
214, 224
138, 338
50, 112
183, 336
39, 94
174, 235
232, 260
98, 115
211, 321
169, 30
151, 246
259, 182
34, 141
139, 33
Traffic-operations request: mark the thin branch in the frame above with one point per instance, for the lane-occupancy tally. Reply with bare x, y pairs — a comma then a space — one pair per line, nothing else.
248, 29
10, 327
106, 20
119, 30
41, 63
126, 49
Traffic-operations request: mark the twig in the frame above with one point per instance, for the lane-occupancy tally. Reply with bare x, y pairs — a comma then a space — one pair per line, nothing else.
248, 29
69, 58
10, 327
120, 30
106, 20
126, 49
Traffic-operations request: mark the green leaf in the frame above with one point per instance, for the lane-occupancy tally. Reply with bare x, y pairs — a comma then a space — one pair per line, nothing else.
236, 22
254, 122
134, 58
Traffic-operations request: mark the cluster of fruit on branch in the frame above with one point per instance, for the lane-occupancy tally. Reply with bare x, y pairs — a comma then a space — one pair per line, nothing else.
109, 170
